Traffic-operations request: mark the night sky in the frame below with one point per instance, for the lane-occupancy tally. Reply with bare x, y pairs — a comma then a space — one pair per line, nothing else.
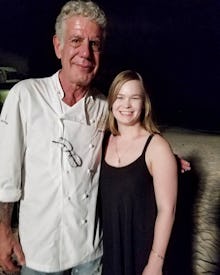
174, 44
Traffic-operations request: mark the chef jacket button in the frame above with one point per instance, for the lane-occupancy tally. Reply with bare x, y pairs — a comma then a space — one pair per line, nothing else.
91, 146
85, 196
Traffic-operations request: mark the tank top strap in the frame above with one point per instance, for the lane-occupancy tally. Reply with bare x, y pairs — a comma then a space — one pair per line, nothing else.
147, 143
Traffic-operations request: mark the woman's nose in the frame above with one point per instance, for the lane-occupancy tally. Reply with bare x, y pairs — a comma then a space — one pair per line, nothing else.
127, 102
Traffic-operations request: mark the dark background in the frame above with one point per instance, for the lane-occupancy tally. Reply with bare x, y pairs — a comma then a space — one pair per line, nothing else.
174, 44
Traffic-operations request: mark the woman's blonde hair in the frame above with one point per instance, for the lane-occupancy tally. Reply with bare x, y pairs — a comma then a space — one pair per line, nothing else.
146, 116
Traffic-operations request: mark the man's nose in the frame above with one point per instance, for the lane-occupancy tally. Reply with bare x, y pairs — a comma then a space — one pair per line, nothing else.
85, 49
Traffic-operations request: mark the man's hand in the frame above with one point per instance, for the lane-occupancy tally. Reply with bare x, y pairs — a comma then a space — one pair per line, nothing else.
185, 165
11, 254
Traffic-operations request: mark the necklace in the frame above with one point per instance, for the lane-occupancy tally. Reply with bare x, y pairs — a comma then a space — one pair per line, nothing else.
117, 154
120, 155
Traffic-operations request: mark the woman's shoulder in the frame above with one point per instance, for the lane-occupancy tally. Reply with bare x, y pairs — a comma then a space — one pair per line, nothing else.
159, 144
159, 139
105, 140
107, 135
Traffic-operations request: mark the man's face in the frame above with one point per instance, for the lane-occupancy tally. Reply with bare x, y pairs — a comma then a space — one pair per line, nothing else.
79, 50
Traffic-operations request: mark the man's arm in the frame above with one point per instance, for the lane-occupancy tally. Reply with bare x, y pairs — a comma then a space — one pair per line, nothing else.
6, 213
11, 255
12, 148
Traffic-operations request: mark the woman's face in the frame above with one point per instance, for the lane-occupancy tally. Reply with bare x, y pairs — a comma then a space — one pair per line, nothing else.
128, 106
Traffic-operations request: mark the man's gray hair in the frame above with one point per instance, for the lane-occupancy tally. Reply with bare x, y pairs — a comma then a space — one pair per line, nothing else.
87, 9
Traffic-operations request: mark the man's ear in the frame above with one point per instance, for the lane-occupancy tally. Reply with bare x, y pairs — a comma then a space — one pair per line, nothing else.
57, 46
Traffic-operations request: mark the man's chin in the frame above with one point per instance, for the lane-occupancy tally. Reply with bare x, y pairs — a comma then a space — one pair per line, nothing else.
86, 80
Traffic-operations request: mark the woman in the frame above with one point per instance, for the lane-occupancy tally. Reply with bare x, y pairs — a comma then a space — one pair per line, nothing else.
138, 183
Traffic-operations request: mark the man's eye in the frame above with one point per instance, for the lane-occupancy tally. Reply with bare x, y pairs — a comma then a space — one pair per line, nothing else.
76, 42
95, 45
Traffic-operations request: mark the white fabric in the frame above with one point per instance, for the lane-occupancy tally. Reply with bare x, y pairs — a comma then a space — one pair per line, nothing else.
57, 221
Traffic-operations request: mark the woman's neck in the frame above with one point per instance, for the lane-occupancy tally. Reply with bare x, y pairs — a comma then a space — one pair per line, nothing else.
129, 132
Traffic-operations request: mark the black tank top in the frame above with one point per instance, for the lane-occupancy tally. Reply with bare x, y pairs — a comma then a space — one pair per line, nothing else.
128, 210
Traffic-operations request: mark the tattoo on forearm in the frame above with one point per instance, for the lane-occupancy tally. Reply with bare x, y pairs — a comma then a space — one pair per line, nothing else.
6, 212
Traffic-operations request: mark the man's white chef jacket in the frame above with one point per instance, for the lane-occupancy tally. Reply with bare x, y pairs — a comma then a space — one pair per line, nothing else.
58, 223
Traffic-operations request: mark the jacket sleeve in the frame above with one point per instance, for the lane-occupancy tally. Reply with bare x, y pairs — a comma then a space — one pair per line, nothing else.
12, 146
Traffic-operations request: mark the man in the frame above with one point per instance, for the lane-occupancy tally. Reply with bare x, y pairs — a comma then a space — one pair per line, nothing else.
51, 134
